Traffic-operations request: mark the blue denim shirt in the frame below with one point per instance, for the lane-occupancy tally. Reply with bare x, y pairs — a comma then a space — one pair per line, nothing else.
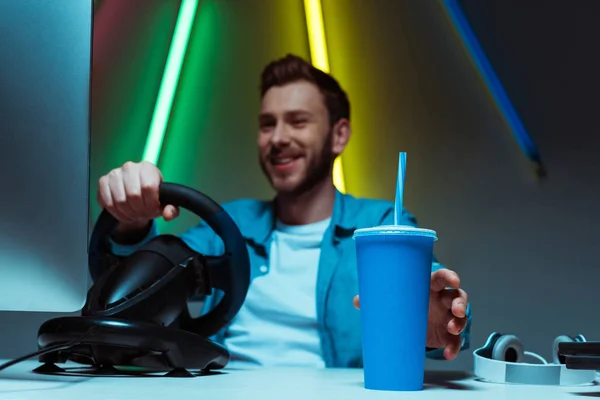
338, 320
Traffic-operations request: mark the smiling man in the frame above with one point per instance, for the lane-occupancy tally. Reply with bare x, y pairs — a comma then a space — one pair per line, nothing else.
301, 308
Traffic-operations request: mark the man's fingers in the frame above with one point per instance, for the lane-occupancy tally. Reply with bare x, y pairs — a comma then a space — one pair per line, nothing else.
106, 201
133, 190
454, 300
459, 304
443, 278
118, 207
356, 302
448, 296
150, 183
452, 347
122, 204
170, 213
457, 325
104, 196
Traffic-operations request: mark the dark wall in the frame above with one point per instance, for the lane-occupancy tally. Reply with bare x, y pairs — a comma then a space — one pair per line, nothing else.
527, 247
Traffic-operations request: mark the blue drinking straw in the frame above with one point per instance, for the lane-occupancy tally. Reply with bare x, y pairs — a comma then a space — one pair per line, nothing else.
400, 188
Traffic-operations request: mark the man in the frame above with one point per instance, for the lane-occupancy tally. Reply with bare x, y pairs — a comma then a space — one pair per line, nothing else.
301, 305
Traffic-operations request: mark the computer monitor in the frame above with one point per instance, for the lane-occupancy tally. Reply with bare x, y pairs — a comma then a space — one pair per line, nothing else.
45, 64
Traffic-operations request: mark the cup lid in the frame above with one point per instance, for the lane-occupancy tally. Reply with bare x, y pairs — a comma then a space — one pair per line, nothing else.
405, 230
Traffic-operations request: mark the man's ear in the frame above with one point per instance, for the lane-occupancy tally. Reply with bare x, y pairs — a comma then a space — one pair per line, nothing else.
341, 135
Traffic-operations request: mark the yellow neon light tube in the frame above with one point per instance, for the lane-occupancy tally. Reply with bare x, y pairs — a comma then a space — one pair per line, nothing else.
320, 59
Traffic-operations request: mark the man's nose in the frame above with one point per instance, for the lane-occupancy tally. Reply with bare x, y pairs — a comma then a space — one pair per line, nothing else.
280, 135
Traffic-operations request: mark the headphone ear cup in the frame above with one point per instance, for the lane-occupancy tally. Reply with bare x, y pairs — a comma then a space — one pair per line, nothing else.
508, 348
560, 339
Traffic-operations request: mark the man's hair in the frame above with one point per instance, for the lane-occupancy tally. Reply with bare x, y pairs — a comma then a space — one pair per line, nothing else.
292, 68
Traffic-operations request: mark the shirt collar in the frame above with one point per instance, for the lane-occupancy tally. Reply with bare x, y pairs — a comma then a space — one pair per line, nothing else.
341, 221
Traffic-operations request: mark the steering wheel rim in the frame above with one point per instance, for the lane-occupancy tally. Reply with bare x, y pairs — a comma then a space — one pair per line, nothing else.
233, 281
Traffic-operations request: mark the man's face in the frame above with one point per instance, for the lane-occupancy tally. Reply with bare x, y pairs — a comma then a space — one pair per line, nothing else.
295, 140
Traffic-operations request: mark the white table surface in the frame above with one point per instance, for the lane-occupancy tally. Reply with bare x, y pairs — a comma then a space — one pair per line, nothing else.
18, 382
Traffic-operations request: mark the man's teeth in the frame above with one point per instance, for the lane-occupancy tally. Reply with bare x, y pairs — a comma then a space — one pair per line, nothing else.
283, 160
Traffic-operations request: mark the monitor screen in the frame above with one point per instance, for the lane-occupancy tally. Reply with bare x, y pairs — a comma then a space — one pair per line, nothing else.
45, 64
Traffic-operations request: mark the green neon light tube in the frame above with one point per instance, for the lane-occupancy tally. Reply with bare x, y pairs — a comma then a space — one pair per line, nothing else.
170, 79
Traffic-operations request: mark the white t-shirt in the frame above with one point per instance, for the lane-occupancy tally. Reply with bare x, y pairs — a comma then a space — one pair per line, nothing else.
277, 325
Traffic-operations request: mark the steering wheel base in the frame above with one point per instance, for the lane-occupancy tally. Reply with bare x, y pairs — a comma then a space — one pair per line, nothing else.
111, 343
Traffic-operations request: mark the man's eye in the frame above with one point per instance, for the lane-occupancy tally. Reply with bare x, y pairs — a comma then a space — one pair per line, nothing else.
299, 121
265, 125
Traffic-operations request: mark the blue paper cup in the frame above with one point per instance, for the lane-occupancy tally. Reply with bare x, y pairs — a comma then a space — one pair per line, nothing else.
394, 275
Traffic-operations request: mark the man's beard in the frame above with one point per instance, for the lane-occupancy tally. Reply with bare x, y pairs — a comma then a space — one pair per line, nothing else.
317, 171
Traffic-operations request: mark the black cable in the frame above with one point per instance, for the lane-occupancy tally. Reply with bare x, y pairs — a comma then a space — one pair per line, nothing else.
50, 349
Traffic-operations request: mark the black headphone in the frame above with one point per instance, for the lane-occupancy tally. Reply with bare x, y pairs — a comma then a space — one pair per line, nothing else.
136, 310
